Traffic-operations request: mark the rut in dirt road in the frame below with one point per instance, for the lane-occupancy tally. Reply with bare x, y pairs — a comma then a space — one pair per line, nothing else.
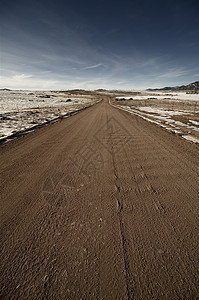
102, 205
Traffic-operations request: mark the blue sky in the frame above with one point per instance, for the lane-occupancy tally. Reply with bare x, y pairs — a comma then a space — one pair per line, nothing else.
127, 45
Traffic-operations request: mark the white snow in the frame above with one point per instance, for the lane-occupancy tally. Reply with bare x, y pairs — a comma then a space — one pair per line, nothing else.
191, 138
159, 112
22, 110
163, 96
169, 125
19, 100
162, 111
177, 96
194, 122
164, 116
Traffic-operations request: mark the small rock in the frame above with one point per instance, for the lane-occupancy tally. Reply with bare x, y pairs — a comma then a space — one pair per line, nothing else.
45, 278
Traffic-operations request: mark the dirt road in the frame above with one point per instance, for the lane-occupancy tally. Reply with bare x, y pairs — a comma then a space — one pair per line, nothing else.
102, 205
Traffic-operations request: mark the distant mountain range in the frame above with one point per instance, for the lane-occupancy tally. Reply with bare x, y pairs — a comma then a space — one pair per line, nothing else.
194, 86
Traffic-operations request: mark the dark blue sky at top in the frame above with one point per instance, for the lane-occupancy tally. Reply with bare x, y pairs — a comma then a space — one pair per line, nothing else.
98, 44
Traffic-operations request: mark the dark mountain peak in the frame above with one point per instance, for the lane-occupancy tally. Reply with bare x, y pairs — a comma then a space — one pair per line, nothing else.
194, 86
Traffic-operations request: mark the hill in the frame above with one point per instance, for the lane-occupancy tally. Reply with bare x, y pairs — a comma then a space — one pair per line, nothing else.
194, 86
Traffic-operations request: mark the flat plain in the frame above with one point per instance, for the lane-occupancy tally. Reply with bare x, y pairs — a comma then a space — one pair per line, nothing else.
101, 205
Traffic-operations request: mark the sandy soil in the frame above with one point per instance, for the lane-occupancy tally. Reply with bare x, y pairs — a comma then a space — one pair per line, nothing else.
101, 205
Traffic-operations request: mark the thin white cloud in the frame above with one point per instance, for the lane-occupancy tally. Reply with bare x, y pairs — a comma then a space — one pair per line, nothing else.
19, 77
173, 73
93, 67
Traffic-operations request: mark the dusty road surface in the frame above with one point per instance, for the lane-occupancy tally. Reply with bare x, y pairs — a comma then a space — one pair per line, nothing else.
101, 205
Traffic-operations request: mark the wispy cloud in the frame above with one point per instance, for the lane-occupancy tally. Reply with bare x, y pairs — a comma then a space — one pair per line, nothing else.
93, 67
173, 73
20, 77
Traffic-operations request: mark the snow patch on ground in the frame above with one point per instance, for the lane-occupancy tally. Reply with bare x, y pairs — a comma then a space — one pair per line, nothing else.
194, 122
23, 110
165, 117
169, 123
191, 138
162, 111
169, 110
163, 96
